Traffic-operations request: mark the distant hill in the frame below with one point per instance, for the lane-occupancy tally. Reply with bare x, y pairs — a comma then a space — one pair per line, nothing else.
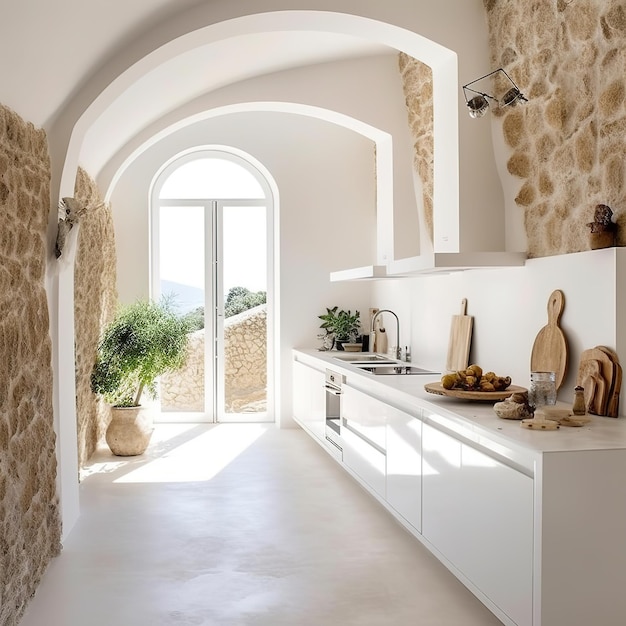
186, 297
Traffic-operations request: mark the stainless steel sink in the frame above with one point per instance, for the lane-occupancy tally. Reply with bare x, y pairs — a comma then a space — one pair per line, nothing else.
380, 365
359, 358
398, 369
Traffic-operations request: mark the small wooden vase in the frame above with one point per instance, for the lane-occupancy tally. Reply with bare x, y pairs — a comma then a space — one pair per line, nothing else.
604, 239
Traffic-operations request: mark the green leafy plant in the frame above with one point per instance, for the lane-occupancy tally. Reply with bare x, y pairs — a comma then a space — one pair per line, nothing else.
143, 341
238, 300
343, 325
241, 299
195, 318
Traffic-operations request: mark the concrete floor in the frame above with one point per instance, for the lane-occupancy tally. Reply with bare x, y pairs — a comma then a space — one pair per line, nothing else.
240, 525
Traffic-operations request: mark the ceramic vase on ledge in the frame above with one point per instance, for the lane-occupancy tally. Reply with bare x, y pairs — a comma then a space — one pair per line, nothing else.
603, 239
603, 229
129, 431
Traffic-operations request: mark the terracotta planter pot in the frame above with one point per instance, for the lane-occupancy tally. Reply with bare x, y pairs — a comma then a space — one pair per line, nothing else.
129, 431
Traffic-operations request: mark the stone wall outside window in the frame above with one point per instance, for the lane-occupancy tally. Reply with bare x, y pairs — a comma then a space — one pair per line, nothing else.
245, 360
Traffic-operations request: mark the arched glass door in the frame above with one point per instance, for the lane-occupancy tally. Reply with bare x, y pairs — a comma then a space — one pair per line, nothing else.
211, 253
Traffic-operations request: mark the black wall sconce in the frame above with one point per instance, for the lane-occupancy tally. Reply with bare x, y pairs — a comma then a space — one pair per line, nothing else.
479, 103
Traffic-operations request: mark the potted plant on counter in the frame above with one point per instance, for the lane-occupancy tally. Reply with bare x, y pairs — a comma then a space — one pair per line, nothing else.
143, 341
343, 325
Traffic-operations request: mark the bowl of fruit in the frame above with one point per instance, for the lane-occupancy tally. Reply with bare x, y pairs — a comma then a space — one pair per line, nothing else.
474, 384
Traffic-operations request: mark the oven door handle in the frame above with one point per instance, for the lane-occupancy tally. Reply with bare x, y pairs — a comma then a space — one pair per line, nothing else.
333, 390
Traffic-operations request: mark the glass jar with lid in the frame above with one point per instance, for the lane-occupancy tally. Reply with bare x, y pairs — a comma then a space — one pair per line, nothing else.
542, 390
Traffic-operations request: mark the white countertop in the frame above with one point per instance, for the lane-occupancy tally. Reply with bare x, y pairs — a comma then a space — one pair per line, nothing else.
475, 421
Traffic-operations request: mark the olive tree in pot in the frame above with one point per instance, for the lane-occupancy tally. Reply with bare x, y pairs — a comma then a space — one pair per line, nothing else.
144, 340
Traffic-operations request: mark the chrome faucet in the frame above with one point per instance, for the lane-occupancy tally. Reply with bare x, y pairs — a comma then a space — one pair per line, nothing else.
375, 317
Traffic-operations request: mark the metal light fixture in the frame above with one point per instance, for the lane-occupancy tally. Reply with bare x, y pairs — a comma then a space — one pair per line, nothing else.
479, 103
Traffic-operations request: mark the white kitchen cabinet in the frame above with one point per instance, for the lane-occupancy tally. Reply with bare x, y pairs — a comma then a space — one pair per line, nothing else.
309, 398
404, 466
478, 513
532, 523
363, 433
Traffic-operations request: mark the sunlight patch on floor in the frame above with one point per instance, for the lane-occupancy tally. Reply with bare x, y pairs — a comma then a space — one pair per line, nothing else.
199, 459
100, 467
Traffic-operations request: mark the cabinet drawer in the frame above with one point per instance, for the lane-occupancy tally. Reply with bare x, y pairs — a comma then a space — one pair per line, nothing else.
366, 461
366, 415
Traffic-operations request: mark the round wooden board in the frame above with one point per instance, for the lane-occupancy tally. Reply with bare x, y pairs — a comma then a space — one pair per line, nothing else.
480, 396
550, 352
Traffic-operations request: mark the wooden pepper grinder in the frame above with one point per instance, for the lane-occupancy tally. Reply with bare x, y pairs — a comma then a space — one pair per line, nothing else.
578, 408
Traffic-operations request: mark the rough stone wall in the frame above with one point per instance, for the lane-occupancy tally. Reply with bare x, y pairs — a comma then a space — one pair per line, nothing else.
183, 390
417, 82
95, 300
30, 526
567, 143
245, 361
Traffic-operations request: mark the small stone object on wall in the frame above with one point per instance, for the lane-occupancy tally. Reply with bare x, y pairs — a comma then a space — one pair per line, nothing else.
69, 213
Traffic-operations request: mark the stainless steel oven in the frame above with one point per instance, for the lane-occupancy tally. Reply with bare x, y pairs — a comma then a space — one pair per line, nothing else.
334, 381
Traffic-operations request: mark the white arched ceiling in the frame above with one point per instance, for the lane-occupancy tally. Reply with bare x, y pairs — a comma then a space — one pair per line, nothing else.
205, 69
382, 139
124, 97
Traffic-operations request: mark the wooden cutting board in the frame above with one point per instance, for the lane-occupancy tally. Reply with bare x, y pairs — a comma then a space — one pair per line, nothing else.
600, 374
550, 353
612, 408
460, 340
596, 387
